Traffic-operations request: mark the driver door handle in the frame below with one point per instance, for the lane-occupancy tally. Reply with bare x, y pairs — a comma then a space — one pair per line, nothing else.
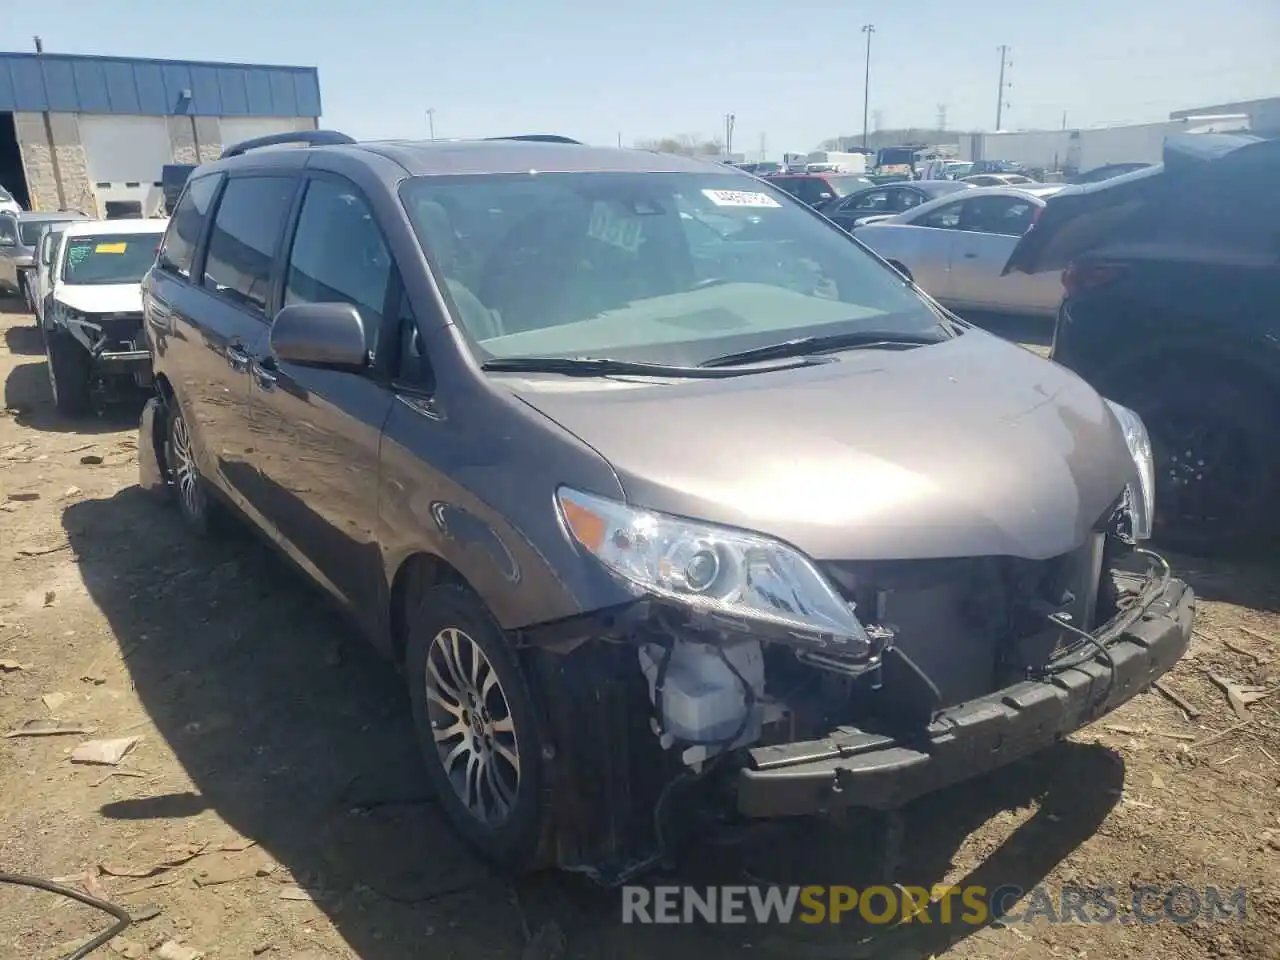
237, 357
265, 372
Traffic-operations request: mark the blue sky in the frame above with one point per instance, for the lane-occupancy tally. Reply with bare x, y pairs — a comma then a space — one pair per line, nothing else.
791, 72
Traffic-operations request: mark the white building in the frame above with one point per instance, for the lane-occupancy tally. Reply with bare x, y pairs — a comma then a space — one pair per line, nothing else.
83, 132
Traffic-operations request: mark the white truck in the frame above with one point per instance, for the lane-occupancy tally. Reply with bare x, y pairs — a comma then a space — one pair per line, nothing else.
1088, 148
834, 161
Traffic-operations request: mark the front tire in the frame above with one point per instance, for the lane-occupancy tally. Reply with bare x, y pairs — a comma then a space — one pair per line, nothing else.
70, 370
476, 725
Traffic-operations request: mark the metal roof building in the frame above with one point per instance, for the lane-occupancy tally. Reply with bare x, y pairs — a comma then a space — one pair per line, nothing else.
91, 133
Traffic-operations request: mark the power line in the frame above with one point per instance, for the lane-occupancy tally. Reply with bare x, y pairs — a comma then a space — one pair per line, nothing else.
1004, 49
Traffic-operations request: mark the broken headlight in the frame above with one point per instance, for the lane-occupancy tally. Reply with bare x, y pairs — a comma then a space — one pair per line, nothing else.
1141, 493
713, 569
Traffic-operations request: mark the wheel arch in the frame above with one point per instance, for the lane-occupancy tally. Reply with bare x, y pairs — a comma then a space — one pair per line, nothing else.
417, 571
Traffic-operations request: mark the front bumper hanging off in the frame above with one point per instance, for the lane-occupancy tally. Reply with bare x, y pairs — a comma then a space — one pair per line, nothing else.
854, 768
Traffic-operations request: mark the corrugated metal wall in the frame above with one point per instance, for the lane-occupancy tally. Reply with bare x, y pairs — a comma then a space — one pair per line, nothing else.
61, 83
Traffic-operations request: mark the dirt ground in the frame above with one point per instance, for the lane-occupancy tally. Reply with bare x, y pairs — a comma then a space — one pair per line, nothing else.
274, 805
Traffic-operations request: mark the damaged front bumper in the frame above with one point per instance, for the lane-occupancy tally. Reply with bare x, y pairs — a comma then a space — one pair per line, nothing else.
854, 768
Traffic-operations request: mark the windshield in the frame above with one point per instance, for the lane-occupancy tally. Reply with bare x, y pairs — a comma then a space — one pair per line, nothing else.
890, 156
109, 258
673, 268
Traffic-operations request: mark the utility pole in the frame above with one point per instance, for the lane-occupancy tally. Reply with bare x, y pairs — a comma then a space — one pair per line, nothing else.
431, 122
729, 120
619, 139
39, 44
1004, 49
868, 29
942, 116
763, 141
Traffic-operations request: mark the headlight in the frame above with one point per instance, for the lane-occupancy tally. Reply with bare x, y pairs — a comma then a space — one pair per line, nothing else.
1142, 493
713, 569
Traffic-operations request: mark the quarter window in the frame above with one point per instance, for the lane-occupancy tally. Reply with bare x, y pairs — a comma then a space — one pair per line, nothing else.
246, 232
339, 255
179, 247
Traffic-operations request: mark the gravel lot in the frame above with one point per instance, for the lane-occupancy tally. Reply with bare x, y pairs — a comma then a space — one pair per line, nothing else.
274, 805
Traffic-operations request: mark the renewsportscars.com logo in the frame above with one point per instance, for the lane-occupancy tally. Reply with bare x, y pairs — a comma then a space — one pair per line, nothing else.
974, 905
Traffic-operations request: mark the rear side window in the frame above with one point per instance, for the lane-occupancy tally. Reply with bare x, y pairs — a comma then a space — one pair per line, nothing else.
246, 232
179, 247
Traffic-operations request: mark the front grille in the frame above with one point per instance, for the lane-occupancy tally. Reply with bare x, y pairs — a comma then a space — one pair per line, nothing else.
120, 330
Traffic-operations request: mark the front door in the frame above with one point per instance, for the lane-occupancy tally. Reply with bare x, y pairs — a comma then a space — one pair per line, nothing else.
317, 432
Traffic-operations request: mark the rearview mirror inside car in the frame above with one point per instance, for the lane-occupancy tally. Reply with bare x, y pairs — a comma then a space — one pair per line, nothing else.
320, 335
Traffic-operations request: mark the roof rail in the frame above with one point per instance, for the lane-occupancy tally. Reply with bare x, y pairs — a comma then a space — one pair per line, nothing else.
539, 138
314, 138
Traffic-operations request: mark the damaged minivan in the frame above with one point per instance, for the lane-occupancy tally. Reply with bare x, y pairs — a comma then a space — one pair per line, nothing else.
674, 503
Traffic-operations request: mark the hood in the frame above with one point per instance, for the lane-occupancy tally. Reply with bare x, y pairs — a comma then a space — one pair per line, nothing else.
1080, 217
103, 298
972, 447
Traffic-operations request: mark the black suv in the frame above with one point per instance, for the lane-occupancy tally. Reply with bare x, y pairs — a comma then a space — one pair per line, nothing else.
1172, 278
639, 468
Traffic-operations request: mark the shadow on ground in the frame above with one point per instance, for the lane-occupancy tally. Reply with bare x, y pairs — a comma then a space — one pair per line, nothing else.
27, 393
24, 341
11, 305
297, 735
1246, 583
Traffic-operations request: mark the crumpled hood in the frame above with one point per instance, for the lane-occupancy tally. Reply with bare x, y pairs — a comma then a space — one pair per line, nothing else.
973, 447
103, 298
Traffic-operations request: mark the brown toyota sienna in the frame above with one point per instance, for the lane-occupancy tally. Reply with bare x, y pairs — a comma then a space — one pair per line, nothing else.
664, 492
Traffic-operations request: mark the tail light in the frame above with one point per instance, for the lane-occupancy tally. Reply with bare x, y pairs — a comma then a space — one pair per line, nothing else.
1080, 278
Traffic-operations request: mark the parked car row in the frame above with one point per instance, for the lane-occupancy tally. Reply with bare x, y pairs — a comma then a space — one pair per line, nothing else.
500, 419
20, 234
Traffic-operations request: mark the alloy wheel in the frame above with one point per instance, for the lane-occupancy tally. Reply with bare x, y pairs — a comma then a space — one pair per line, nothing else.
472, 725
182, 462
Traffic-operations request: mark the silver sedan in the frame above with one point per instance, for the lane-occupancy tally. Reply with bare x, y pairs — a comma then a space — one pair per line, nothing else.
955, 248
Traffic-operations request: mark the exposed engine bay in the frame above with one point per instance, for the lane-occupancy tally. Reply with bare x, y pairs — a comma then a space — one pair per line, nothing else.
663, 706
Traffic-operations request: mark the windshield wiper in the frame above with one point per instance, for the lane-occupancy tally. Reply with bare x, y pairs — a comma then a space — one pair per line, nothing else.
806, 346
606, 366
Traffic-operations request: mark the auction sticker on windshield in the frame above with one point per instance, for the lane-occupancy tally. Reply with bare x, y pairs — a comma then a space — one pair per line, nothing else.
111, 248
740, 198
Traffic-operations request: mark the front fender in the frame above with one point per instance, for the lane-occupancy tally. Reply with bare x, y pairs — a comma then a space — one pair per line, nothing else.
153, 477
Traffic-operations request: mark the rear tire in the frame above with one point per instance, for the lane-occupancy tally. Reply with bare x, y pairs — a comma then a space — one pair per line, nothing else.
190, 490
70, 370
476, 726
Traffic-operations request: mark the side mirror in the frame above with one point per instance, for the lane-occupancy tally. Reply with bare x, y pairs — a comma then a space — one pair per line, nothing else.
320, 335
824, 196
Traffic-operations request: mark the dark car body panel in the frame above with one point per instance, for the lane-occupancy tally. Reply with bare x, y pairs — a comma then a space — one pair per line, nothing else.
1082, 217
